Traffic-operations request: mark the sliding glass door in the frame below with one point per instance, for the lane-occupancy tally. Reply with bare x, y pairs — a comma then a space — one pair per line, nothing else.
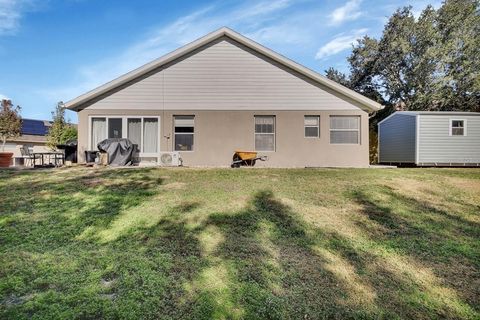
144, 132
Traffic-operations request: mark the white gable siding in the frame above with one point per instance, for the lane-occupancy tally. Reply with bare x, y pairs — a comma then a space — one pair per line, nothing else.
224, 76
437, 146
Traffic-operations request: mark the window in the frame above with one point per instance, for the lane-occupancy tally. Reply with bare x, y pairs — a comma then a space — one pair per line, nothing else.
457, 128
115, 128
150, 135
312, 126
184, 131
134, 131
141, 131
265, 133
99, 131
344, 129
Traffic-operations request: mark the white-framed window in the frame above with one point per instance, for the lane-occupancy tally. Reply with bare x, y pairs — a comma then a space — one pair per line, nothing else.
143, 132
345, 129
312, 126
184, 131
458, 127
264, 133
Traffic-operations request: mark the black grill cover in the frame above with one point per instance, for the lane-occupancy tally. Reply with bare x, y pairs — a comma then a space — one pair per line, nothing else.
119, 151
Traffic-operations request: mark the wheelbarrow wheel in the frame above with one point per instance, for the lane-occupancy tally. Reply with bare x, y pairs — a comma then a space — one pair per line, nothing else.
236, 163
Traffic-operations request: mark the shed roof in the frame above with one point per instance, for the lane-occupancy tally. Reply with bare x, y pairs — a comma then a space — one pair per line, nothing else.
437, 113
77, 103
449, 113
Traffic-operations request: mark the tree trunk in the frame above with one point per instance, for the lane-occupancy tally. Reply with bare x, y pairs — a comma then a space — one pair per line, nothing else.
4, 141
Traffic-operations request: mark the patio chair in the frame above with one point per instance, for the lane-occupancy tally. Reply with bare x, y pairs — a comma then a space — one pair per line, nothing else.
27, 156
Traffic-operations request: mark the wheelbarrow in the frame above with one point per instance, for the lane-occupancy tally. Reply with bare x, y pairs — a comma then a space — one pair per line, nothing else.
246, 158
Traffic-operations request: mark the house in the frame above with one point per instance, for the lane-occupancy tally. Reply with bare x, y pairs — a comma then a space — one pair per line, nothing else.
225, 92
33, 135
426, 138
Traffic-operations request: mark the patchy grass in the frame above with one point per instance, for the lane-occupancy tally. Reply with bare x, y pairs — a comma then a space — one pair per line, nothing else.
192, 243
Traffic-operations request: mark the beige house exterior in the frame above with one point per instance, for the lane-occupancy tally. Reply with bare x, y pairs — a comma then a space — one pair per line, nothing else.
225, 92
35, 140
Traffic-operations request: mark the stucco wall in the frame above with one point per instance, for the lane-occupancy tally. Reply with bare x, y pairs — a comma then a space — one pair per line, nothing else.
219, 133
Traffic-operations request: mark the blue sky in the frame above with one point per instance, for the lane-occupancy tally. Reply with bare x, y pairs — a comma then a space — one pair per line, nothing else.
53, 51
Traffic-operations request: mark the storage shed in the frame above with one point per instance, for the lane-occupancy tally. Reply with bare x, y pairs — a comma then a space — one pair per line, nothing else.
428, 138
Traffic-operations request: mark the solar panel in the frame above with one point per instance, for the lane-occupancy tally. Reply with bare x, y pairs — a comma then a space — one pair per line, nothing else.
34, 127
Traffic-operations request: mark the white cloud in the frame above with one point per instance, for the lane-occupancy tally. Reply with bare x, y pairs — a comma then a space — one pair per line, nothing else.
349, 11
11, 12
339, 43
3, 97
248, 18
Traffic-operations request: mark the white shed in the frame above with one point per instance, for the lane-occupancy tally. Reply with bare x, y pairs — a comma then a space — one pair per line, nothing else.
428, 138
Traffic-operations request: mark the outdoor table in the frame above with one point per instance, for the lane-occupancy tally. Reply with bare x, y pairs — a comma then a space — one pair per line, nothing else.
58, 158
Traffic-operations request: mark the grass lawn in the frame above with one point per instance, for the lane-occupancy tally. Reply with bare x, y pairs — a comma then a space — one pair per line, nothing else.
222, 243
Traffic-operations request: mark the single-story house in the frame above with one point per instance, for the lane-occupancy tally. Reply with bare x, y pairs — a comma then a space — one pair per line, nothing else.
225, 92
33, 135
426, 138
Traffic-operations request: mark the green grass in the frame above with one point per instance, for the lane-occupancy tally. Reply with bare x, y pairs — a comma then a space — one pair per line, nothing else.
240, 244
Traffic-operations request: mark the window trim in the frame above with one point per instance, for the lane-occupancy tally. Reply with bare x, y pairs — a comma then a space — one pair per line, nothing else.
125, 130
359, 142
464, 127
274, 132
175, 133
317, 126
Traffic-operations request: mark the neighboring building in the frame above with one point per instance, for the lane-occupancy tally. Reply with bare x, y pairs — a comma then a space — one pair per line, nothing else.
33, 135
426, 138
225, 92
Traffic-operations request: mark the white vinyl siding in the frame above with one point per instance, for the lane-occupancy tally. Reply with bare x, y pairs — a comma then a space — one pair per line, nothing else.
141, 131
224, 76
437, 145
344, 129
264, 133
184, 127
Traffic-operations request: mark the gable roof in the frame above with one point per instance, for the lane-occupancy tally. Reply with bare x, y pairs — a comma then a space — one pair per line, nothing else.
368, 104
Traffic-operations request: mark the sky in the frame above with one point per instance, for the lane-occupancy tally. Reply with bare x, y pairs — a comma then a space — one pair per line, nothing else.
55, 50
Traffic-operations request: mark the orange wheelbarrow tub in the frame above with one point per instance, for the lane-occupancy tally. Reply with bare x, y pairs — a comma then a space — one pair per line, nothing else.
246, 158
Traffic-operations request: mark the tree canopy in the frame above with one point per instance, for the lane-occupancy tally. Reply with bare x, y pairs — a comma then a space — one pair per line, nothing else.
429, 62
61, 130
10, 121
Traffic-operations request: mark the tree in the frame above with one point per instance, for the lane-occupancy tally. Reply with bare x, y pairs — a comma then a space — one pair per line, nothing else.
427, 63
10, 121
61, 130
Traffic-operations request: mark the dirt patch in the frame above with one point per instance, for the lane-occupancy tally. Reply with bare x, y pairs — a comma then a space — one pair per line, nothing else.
467, 185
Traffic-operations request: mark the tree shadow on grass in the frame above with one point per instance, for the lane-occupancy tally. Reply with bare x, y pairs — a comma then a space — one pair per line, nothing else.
279, 267
49, 271
262, 261
273, 272
67, 207
440, 240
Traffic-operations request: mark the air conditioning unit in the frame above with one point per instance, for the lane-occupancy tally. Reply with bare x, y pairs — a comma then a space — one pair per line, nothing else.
169, 159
